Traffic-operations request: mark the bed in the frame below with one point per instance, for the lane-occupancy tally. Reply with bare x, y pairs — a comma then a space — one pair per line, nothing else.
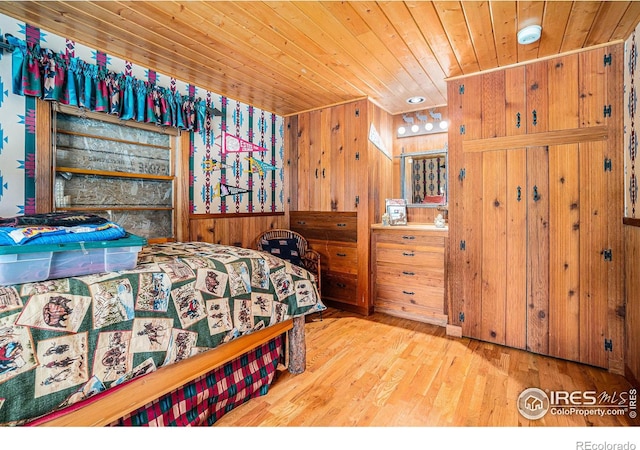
193, 330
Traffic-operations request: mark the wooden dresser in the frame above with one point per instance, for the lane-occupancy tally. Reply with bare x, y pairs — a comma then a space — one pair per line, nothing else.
335, 236
408, 271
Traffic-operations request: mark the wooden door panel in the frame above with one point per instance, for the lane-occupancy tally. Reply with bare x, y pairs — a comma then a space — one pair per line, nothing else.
303, 162
493, 100
538, 258
516, 251
593, 88
315, 160
336, 162
472, 108
594, 267
564, 252
494, 277
562, 86
355, 154
515, 101
537, 116
457, 193
471, 244
325, 155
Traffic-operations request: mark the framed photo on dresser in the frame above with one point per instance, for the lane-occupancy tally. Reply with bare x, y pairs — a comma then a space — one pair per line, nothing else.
397, 211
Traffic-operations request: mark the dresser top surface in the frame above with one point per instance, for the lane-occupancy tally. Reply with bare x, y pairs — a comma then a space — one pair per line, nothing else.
411, 226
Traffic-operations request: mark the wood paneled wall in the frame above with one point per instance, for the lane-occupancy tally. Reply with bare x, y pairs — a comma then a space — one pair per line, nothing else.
238, 231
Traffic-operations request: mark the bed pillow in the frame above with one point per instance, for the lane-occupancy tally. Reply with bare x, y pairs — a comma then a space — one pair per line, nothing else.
283, 248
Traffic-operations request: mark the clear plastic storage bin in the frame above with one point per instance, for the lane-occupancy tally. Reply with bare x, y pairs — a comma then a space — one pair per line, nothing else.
28, 263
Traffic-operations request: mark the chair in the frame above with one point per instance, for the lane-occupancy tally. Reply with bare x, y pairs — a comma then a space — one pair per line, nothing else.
309, 259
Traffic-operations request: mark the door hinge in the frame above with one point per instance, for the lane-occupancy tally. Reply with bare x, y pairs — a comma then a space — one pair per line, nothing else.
607, 254
461, 89
608, 345
463, 245
357, 112
607, 164
462, 174
607, 111
357, 200
461, 317
462, 129
357, 156
607, 59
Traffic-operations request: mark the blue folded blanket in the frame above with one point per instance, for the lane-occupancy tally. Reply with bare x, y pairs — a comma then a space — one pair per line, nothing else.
44, 234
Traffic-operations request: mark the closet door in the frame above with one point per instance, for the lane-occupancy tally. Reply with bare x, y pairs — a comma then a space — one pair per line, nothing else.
494, 247
564, 252
568, 252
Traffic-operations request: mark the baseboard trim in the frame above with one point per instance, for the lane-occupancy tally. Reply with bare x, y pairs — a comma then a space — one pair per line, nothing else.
454, 331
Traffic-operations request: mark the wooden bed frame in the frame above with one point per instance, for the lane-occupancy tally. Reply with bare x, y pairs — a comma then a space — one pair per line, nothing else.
139, 392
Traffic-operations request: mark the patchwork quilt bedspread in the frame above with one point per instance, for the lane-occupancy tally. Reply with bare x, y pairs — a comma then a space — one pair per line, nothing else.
64, 340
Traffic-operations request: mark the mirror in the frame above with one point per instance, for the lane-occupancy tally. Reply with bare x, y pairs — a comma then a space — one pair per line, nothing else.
424, 178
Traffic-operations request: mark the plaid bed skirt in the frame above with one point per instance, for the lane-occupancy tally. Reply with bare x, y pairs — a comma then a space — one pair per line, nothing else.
203, 401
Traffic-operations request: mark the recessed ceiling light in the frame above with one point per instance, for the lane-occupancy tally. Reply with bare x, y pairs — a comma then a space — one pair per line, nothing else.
414, 100
530, 34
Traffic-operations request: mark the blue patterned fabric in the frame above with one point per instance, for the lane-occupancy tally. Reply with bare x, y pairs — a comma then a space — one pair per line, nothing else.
283, 248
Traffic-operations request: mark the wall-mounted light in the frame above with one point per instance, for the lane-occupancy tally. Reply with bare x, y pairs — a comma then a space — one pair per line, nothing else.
422, 123
529, 34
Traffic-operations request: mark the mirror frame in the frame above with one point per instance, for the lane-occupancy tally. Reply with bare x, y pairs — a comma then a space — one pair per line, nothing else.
403, 177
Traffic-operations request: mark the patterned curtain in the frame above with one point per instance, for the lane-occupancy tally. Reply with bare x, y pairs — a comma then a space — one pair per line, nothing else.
42, 73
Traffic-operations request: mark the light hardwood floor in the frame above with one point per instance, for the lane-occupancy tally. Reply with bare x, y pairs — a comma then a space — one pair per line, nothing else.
385, 371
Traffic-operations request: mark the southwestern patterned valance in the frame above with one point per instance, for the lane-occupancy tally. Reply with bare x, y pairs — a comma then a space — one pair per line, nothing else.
48, 75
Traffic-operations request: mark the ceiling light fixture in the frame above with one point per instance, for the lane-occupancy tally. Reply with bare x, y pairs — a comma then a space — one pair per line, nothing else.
529, 35
415, 100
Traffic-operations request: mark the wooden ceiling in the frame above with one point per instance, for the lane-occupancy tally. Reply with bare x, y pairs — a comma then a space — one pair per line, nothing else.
288, 57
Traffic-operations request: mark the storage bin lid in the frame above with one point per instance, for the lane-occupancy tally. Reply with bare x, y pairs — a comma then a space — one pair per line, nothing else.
129, 240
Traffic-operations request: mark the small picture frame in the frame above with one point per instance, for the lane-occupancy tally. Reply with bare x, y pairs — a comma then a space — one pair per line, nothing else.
397, 211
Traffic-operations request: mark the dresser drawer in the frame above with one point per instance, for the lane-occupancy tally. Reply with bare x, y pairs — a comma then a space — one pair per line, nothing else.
410, 276
334, 226
411, 238
340, 288
337, 256
409, 257
412, 312
428, 297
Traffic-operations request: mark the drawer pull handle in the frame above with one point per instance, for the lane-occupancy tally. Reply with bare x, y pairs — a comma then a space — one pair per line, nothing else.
408, 273
408, 254
301, 222
341, 285
408, 237
408, 293
341, 254
341, 224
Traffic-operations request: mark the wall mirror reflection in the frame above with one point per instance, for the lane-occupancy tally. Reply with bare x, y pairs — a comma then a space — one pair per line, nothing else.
424, 178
